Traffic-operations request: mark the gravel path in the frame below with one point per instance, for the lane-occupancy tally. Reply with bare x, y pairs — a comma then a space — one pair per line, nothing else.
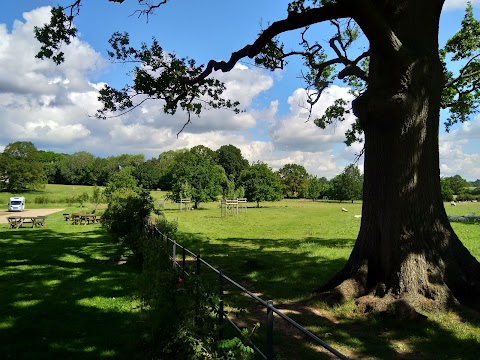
31, 212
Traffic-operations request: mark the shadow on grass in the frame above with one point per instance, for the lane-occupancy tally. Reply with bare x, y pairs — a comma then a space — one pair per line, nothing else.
286, 271
62, 296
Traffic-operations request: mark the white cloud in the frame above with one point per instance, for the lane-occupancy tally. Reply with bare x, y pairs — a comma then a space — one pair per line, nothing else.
459, 151
39, 101
50, 106
296, 132
459, 4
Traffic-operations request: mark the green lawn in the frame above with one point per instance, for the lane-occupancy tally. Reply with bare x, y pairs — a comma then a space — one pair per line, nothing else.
284, 250
63, 296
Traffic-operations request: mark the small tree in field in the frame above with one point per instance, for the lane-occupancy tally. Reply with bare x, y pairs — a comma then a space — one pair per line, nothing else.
294, 179
198, 171
260, 183
348, 185
317, 187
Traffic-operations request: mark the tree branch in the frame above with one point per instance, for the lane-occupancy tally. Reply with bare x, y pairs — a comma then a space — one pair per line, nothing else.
292, 22
464, 75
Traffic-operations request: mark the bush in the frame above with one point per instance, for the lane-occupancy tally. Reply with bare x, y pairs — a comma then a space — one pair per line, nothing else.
180, 312
125, 216
42, 200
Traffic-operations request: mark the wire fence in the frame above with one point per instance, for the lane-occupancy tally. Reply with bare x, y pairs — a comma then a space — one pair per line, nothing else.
268, 352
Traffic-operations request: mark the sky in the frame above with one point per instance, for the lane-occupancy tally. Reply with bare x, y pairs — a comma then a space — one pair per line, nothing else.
52, 106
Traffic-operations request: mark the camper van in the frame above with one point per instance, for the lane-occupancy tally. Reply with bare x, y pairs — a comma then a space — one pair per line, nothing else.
16, 204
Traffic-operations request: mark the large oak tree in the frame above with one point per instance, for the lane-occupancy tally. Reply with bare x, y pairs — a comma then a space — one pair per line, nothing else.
406, 248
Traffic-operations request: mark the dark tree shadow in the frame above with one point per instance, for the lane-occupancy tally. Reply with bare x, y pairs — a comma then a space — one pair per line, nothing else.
270, 269
50, 284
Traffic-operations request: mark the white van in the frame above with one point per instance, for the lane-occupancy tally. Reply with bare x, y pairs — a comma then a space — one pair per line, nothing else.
16, 204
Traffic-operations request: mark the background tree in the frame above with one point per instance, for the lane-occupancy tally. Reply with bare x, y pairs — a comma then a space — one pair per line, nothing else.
348, 185
260, 183
475, 183
20, 167
406, 248
231, 159
198, 171
78, 169
166, 163
317, 187
457, 184
50, 161
294, 180
447, 192
148, 174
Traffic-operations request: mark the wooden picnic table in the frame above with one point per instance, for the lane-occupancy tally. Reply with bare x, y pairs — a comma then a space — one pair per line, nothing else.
79, 218
18, 221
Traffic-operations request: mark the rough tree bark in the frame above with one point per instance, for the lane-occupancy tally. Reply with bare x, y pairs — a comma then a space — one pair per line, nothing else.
406, 248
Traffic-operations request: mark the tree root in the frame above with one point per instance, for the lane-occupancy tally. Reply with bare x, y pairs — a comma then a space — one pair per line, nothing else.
383, 302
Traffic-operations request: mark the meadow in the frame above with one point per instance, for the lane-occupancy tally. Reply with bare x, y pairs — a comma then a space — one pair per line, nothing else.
283, 251
63, 281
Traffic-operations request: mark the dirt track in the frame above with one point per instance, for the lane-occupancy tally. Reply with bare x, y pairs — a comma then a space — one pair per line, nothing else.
30, 212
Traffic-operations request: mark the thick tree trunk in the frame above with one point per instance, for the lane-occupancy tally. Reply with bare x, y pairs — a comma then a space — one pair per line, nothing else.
406, 247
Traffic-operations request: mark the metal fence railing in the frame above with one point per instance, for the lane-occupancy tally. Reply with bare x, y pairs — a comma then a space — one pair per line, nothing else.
268, 353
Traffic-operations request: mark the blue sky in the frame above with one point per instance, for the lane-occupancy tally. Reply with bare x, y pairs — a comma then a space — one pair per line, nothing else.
50, 105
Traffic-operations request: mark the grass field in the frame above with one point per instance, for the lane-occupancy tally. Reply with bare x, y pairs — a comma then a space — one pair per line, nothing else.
284, 250
55, 280
62, 295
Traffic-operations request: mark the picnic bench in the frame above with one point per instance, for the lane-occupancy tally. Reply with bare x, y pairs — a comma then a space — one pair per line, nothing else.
79, 218
19, 221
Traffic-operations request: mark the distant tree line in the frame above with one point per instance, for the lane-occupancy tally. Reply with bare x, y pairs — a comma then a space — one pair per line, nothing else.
457, 188
200, 174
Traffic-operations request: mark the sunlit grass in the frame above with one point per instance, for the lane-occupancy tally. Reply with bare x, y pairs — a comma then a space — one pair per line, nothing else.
63, 296
284, 251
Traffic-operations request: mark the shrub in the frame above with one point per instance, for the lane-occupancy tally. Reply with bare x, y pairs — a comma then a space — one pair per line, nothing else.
42, 200
179, 312
125, 216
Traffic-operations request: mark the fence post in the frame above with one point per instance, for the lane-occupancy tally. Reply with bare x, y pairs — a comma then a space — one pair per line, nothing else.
183, 260
198, 264
269, 330
174, 254
220, 308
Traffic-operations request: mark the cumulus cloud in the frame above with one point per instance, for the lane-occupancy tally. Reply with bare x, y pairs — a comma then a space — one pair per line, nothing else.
51, 106
39, 101
296, 132
459, 151
459, 4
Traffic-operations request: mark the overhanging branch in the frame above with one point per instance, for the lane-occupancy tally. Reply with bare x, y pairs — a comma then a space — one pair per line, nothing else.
292, 22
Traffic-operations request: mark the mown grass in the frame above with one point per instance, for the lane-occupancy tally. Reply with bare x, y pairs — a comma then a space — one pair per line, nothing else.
55, 280
63, 296
283, 251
